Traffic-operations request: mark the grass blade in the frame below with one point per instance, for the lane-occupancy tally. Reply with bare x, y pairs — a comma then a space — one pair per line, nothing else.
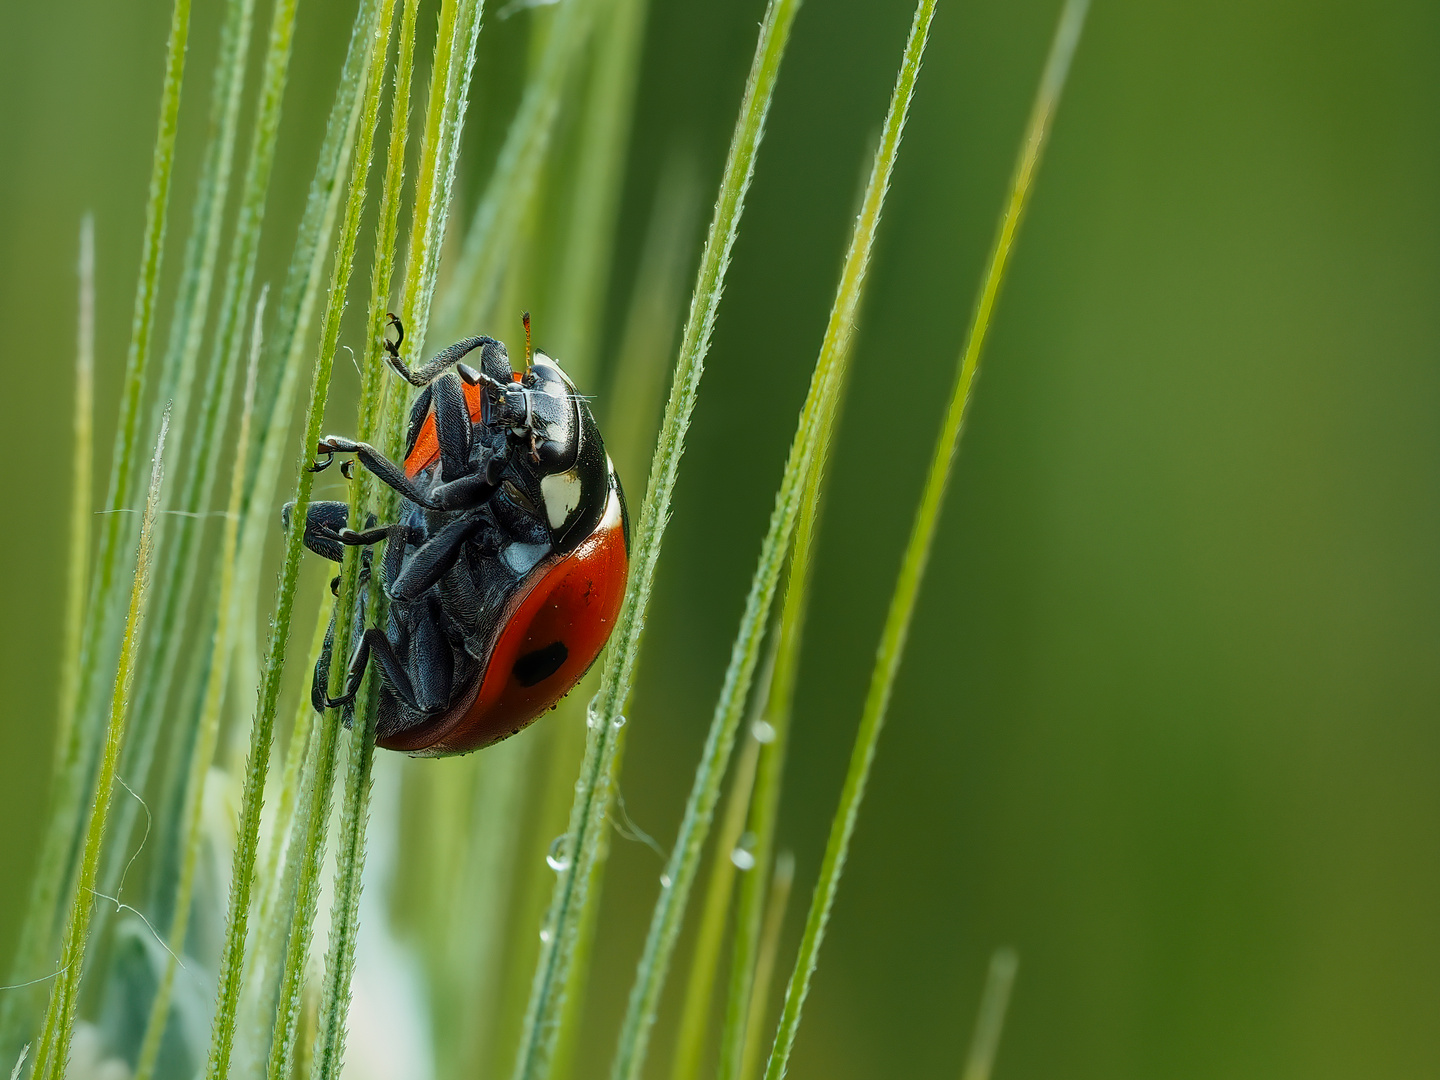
776, 901
54, 867
177, 377
806, 454
593, 789
699, 989
902, 605
82, 445
493, 229
329, 1051
584, 276
312, 855
203, 750
54, 1047
263, 729
991, 1019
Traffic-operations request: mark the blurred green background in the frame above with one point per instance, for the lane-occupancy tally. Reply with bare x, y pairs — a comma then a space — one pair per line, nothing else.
1168, 720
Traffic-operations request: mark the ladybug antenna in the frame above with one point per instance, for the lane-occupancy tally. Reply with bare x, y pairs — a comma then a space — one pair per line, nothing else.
525, 319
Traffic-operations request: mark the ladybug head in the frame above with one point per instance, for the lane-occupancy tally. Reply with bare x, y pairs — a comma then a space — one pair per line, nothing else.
541, 411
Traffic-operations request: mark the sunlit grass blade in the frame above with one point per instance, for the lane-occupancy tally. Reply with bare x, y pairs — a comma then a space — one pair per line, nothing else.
593, 789
329, 1048
82, 447
806, 453
203, 750
598, 173
43, 914
491, 236
647, 339
53, 1050
912, 569
232, 955
176, 536
312, 855
714, 913
990, 1021
777, 900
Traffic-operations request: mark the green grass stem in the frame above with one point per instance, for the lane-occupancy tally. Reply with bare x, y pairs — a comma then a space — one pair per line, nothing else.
714, 914
806, 453
53, 1050
232, 958
67, 801
329, 1050
902, 605
312, 855
593, 790
490, 239
990, 1021
203, 750
176, 537
82, 447
777, 899
597, 177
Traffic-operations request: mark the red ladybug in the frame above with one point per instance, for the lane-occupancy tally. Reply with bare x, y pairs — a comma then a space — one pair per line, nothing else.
506, 571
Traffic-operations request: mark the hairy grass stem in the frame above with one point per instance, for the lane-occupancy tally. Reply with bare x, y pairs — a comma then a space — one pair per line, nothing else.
594, 787
806, 453
203, 750
912, 570
777, 899
44, 911
263, 729
312, 854
53, 1051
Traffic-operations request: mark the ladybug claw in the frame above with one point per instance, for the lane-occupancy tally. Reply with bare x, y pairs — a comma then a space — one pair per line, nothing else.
393, 347
321, 466
347, 469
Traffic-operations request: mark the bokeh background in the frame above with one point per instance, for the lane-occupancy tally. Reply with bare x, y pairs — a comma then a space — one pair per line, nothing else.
1169, 723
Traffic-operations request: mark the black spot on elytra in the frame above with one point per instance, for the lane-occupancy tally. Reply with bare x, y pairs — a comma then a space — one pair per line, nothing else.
536, 667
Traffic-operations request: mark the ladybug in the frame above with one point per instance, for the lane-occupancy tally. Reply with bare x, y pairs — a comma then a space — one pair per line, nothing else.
507, 567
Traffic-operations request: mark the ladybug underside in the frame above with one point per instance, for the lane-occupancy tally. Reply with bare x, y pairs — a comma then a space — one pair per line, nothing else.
506, 568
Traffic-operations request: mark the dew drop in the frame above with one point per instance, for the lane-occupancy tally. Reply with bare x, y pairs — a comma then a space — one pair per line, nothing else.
617, 723
557, 858
764, 732
545, 935
665, 881
744, 854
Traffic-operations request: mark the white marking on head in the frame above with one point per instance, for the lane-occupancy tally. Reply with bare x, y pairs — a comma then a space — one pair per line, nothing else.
561, 492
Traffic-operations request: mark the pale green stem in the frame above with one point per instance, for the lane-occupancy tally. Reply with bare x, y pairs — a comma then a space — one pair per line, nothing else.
598, 173
912, 568
232, 957
177, 378
776, 901
54, 1047
203, 750
329, 1051
593, 789
700, 988
806, 453
990, 1021
82, 447
301, 927
490, 239
44, 911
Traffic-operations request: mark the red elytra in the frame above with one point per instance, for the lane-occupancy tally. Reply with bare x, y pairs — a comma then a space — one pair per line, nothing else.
573, 599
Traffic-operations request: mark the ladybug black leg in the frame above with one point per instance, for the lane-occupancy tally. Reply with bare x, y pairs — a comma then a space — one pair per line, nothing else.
428, 563
372, 643
494, 360
383, 469
468, 492
452, 426
432, 665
